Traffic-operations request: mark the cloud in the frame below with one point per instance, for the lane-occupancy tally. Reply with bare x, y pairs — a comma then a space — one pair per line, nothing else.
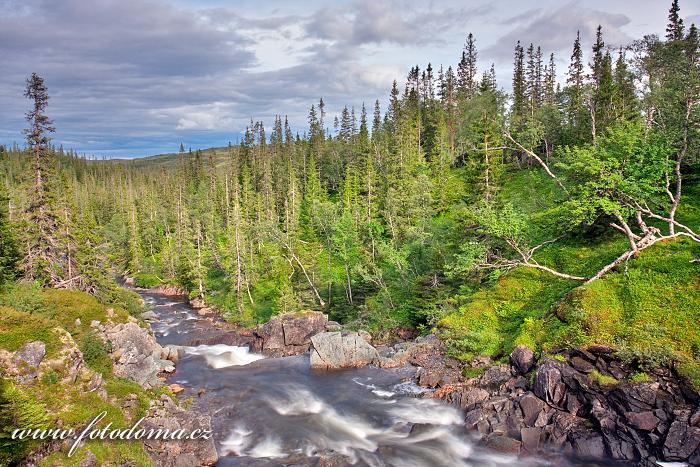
133, 70
138, 76
555, 30
379, 22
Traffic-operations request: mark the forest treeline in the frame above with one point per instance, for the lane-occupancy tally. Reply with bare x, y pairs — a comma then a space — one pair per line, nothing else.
382, 216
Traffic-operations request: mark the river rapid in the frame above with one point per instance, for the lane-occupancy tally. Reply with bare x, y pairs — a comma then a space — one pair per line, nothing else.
277, 411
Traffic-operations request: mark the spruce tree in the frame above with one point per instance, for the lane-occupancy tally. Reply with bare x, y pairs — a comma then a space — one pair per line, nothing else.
575, 75
519, 107
466, 71
674, 28
598, 59
550, 81
42, 257
625, 100
376, 122
577, 114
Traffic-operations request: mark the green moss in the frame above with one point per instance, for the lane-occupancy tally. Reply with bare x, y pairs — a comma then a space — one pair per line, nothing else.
49, 378
18, 328
690, 369
603, 380
639, 377
472, 372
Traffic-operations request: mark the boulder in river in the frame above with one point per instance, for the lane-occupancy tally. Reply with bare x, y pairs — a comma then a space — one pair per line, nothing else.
289, 333
341, 350
169, 290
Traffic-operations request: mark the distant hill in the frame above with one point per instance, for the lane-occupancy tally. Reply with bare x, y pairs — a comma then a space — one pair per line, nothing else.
169, 160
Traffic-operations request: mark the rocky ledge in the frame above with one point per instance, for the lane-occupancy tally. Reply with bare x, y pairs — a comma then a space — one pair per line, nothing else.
582, 402
164, 414
135, 353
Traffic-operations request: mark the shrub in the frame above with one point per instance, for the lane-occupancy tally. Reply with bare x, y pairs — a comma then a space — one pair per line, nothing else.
129, 300
23, 297
640, 377
50, 378
146, 280
646, 358
96, 353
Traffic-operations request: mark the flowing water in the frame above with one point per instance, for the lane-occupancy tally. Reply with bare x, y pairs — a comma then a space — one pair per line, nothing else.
277, 411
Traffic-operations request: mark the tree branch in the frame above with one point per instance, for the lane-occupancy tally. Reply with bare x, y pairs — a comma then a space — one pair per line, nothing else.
538, 159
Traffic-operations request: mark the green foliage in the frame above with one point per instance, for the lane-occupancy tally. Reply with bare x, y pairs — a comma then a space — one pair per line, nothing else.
628, 163
146, 280
9, 251
128, 300
26, 298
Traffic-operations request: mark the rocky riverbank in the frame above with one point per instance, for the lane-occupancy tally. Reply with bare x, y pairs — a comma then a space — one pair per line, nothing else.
585, 403
59, 363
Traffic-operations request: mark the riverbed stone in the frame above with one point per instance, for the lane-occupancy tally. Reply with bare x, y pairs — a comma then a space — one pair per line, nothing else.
149, 316
503, 444
341, 350
531, 407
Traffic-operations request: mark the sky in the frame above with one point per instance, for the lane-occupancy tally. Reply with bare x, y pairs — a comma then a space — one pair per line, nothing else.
129, 78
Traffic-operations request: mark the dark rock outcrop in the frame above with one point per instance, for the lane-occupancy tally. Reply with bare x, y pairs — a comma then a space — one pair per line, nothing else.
568, 407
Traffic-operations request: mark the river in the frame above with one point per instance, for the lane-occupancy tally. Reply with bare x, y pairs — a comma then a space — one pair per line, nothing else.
277, 411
